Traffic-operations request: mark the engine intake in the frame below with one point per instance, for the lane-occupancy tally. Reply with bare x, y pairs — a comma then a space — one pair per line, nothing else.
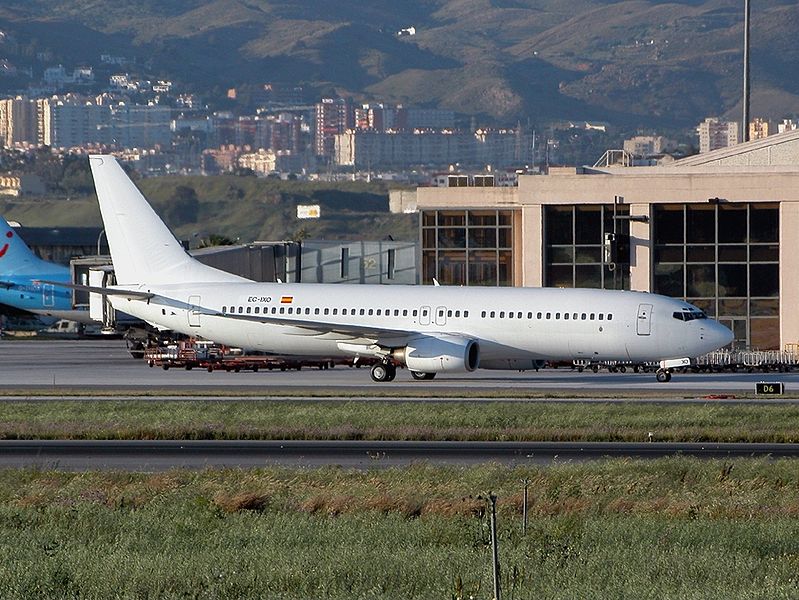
429, 354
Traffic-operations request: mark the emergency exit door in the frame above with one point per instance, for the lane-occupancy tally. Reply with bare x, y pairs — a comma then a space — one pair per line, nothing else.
643, 324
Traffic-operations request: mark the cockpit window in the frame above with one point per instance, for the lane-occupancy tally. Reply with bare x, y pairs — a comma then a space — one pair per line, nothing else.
689, 315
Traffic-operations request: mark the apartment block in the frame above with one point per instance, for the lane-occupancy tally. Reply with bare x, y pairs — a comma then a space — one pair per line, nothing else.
715, 133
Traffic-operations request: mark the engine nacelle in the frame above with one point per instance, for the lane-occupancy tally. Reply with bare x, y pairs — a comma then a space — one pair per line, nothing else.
441, 353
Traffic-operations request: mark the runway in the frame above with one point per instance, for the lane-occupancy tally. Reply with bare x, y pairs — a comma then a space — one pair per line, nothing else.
147, 456
79, 366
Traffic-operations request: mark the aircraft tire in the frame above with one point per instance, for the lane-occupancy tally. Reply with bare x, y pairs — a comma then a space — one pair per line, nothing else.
663, 376
379, 372
422, 376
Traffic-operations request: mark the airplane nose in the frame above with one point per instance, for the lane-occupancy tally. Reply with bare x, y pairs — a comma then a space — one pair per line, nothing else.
717, 335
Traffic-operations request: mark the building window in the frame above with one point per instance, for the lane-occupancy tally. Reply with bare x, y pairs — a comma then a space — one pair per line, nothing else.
574, 240
724, 258
468, 247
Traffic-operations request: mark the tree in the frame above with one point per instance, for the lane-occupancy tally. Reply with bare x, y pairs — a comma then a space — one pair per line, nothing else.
182, 206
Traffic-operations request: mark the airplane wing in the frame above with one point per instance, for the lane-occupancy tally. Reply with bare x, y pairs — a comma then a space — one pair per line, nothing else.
315, 328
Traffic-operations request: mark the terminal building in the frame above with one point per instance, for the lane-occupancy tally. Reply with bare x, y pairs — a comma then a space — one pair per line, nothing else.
717, 229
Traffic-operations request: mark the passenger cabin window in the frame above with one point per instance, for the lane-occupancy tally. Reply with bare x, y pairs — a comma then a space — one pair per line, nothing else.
483, 314
249, 309
610, 317
405, 312
600, 316
241, 309
465, 314
493, 314
538, 316
549, 316
223, 310
566, 316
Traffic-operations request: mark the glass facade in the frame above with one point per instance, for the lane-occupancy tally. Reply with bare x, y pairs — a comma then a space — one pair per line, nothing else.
574, 253
468, 247
724, 258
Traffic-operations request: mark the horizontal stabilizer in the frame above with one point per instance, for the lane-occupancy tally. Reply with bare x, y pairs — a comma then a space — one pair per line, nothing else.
103, 291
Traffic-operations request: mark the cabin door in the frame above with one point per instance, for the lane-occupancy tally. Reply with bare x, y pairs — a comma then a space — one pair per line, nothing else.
194, 311
48, 294
644, 322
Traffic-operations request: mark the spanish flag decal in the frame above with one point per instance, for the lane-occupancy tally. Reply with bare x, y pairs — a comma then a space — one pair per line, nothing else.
286, 299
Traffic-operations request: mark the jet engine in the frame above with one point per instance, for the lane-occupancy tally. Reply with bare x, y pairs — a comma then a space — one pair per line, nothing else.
429, 354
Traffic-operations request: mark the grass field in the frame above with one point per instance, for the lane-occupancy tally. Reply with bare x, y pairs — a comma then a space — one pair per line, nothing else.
375, 420
673, 528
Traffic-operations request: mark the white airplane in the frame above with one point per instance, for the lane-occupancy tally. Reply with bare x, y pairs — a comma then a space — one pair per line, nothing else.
428, 329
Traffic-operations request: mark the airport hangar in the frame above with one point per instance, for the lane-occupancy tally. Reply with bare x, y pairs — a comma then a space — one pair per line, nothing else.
718, 229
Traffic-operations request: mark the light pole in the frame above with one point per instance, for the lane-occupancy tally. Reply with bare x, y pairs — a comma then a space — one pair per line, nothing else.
746, 73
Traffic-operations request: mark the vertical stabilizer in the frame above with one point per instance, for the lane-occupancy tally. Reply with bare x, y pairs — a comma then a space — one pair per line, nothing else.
142, 247
16, 257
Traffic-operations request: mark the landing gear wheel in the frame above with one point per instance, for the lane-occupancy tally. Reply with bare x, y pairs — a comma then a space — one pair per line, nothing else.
421, 376
383, 372
663, 376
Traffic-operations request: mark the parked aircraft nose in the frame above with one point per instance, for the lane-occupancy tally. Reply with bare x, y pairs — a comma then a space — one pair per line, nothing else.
716, 335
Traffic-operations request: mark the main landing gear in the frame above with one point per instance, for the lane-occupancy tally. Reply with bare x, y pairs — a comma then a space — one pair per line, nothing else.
387, 371
421, 376
383, 371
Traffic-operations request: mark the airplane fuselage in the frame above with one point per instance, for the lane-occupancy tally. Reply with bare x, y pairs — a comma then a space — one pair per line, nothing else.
509, 324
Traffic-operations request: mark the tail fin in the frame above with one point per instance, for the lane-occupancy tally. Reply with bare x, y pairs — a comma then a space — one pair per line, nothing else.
15, 255
143, 249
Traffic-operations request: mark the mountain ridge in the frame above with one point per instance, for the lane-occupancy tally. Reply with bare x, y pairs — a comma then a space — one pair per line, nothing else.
633, 63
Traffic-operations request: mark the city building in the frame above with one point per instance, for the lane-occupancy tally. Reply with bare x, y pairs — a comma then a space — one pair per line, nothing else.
715, 133
405, 149
76, 122
22, 185
139, 126
759, 129
716, 229
646, 145
333, 116
20, 121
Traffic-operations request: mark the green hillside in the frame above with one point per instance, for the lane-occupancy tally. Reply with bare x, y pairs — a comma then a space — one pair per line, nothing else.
243, 208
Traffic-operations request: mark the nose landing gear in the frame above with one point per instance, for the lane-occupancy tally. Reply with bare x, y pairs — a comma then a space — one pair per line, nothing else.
663, 375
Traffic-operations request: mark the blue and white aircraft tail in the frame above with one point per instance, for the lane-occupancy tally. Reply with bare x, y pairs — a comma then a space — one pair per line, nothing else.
22, 274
